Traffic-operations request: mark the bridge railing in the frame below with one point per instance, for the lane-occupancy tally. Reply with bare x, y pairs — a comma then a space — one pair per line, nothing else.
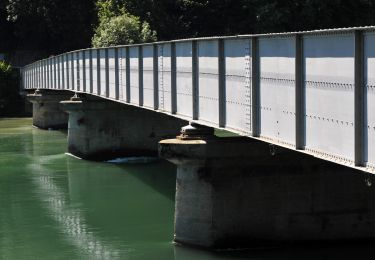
312, 91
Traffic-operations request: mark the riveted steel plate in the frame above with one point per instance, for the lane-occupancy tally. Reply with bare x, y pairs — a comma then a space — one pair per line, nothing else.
329, 83
148, 75
277, 88
369, 53
122, 73
102, 73
184, 79
165, 91
134, 75
237, 55
112, 73
208, 81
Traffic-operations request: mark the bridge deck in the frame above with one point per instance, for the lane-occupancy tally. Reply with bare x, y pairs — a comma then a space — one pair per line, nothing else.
309, 91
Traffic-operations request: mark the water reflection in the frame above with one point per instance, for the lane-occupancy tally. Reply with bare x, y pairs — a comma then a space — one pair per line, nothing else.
70, 219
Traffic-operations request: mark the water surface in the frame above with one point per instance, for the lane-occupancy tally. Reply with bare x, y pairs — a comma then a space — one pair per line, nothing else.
53, 206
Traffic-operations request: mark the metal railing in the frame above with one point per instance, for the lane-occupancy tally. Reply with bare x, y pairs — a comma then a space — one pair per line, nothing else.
310, 91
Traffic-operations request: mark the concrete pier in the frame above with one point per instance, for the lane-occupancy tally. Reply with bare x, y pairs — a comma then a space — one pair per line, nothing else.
46, 109
239, 193
100, 129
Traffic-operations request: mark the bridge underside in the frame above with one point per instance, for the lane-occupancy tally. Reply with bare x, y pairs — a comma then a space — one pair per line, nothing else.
230, 192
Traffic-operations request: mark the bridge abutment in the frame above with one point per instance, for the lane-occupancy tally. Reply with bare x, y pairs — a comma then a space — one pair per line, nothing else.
46, 109
237, 192
101, 129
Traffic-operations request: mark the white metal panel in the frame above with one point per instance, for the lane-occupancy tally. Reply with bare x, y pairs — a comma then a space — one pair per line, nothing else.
42, 74
26, 77
277, 88
56, 72
329, 75
369, 51
50, 85
148, 76
45, 72
48, 74
165, 88
36, 73
112, 73
237, 55
134, 75
184, 79
102, 73
66, 71
87, 70
208, 81
72, 74
53, 74
95, 73
59, 72
122, 73
31, 76
77, 83
80, 70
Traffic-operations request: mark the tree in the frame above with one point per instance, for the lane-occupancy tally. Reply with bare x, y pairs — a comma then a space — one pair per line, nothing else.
117, 26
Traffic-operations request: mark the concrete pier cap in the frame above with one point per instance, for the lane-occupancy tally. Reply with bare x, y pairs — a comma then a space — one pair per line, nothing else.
46, 109
242, 193
101, 129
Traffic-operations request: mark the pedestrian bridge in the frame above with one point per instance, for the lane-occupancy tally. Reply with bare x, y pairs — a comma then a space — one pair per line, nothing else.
309, 91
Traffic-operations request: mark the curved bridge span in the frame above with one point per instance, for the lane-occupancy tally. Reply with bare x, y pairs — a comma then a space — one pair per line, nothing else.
309, 91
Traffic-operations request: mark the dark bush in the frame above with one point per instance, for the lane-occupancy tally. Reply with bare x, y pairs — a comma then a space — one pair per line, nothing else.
11, 103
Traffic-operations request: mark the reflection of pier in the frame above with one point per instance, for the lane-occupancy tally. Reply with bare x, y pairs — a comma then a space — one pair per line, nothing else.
70, 220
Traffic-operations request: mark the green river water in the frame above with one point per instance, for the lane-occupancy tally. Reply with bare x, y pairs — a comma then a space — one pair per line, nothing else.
53, 206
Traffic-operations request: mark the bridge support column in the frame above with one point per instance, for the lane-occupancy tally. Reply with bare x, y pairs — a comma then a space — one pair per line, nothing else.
237, 192
46, 109
101, 129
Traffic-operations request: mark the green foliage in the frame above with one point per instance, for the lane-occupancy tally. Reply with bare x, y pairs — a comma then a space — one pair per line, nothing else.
5, 69
116, 26
55, 26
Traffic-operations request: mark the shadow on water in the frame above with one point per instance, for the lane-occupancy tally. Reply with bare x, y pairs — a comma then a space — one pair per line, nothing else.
159, 175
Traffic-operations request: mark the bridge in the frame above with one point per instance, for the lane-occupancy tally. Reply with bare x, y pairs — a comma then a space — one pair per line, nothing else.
311, 95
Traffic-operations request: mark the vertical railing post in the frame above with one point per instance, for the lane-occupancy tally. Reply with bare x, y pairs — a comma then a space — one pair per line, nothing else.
106, 73
140, 74
173, 79
359, 101
156, 76
117, 77
127, 74
300, 100
222, 86
84, 70
255, 87
195, 75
